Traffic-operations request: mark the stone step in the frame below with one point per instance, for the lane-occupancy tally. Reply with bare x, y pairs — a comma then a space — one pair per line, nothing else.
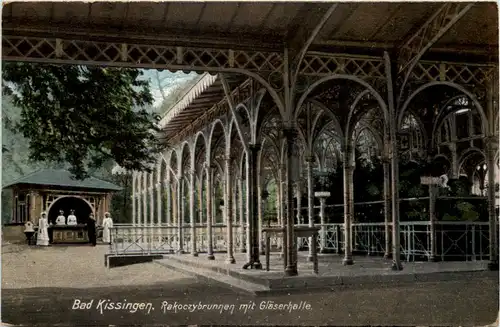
278, 283
222, 270
208, 274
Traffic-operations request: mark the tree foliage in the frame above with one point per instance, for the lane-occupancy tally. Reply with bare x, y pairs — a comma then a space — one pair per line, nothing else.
369, 183
84, 116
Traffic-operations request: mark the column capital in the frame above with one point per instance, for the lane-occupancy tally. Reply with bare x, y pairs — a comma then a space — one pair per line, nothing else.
386, 159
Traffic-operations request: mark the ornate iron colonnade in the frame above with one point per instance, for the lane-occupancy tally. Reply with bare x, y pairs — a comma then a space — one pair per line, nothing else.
286, 81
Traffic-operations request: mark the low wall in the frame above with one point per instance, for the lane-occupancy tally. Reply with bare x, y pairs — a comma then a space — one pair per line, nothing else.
13, 233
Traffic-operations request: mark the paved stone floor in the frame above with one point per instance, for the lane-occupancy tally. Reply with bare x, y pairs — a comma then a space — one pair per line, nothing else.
331, 265
40, 286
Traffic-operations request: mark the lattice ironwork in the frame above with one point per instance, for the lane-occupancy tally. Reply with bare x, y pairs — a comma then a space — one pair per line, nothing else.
464, 239
54, 50
321, 64
143, 239
460, 73
430, 32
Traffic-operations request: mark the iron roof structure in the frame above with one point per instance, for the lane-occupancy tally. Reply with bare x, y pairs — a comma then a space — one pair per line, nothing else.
357, 28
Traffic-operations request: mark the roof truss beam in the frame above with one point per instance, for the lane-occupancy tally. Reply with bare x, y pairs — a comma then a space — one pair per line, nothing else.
417, 44
305, 47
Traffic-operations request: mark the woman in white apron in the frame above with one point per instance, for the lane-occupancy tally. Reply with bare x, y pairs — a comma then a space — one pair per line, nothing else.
43, 233
107, 223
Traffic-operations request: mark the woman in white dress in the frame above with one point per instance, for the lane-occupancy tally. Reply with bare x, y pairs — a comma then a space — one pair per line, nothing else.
107, 223
72, 218
61, 220
43, 233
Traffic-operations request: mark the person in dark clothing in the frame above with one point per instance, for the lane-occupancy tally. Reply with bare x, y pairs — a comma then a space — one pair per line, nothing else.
91, 230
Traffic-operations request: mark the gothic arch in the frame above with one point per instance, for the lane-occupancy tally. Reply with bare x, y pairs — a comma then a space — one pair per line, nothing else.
356, 79
477, 105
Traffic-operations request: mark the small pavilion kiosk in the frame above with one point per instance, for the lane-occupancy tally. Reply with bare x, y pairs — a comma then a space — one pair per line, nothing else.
52, 190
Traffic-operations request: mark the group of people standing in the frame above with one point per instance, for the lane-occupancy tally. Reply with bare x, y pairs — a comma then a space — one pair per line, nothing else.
70, 221
43, 226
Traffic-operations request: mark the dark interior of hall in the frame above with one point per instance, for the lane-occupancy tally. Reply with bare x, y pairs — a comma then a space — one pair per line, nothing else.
82, 209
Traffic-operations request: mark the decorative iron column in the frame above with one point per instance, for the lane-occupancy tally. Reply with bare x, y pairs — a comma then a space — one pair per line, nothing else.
145, 206
348, 207
387, 206
209, 181
291, 268
491, 147
248, 212
394, 151
157, 230
151, 206
242, 216
229, 210
283, 206
168, 207
192, 218
199, 222
235, 210
259, 212
138, 198
175, 206
180, 212
278, 198
168, 203
133, 197
253, 221
215, 186
322, 205
159, 201
310, 203
298, 189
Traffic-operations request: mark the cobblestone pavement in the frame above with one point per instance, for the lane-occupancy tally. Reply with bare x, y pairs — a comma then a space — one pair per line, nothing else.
67, 274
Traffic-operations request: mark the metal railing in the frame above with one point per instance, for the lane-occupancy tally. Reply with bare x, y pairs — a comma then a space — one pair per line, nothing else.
454, 240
